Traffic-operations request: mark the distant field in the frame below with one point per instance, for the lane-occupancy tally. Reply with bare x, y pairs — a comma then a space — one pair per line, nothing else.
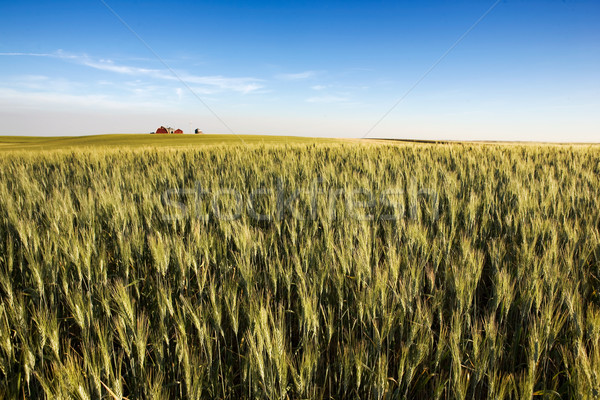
145, 140
17, 143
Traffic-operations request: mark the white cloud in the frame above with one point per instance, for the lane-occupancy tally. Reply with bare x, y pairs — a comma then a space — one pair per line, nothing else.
319, 87
242, 85
108, 65
29, 54
296, 76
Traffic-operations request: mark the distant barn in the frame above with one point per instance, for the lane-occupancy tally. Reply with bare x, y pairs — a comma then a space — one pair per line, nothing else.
168, 130
198, 131
178, 131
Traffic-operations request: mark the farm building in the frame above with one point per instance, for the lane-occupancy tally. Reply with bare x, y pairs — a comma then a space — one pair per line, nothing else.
198, 131
178, 131
164, 131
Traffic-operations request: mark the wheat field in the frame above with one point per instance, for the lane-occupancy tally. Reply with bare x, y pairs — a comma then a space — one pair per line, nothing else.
301, 271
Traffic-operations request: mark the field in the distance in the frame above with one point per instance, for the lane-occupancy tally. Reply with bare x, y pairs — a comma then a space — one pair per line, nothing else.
316, 269
144, 140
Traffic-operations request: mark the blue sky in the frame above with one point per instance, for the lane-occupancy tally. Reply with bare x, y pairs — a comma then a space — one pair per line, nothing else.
530, 70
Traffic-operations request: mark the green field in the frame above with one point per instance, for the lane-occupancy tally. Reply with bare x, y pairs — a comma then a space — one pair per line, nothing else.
144, 140
297, 268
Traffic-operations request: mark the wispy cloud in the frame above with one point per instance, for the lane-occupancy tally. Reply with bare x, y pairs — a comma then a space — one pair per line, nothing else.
319, 87
110, 66
216, 82
242, 85
14, 54
297, 76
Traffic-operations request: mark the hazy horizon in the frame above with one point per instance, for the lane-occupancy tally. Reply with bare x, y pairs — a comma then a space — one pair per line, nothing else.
525, 71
